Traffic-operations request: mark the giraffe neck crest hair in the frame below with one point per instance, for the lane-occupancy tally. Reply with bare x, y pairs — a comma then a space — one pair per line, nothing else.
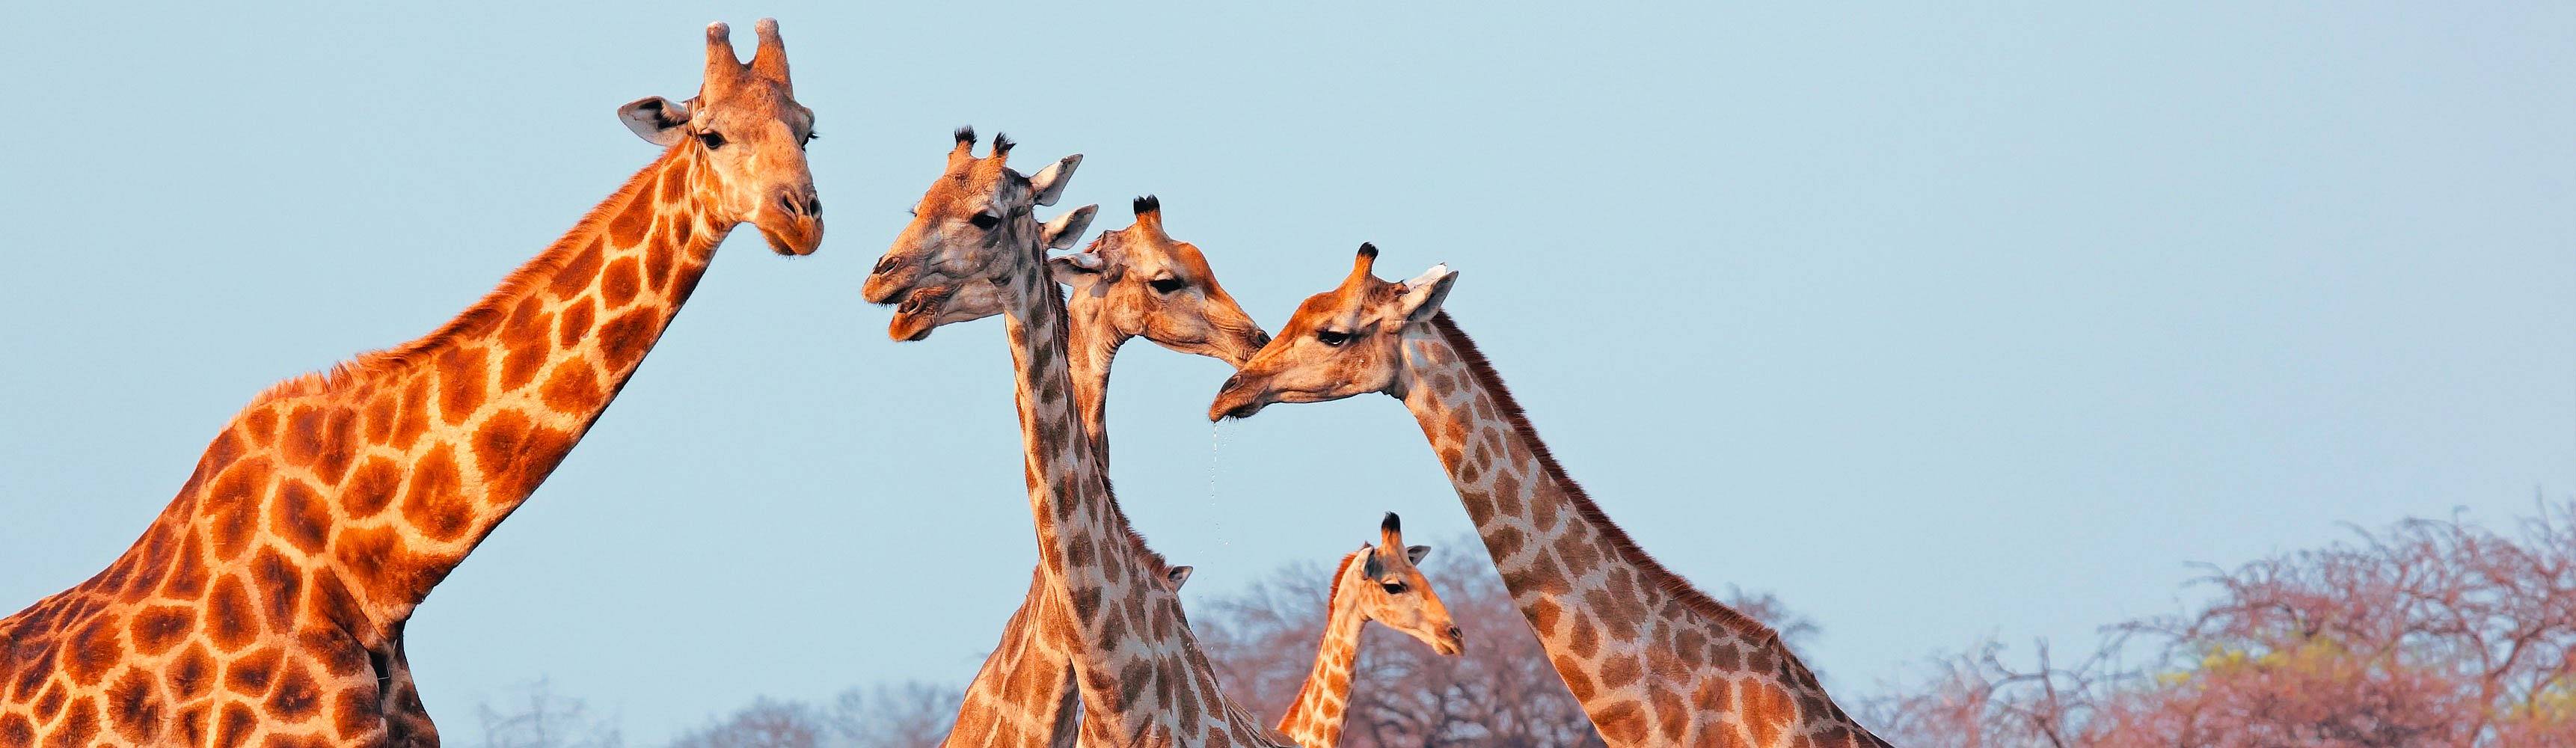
1653, 660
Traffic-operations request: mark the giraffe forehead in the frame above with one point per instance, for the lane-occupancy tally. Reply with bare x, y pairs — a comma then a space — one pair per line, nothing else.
971, 186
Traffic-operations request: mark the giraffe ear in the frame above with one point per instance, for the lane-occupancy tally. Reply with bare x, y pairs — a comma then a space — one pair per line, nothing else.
1066, 229
1048, 183
1415, 553
1420, 297
1178, 575
655, 119
1369, 566
1071, 271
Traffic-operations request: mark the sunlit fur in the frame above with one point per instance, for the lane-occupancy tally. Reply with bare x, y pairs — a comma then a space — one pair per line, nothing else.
1139, 669
1359, 595
1008, 703
1653, 660
266, 605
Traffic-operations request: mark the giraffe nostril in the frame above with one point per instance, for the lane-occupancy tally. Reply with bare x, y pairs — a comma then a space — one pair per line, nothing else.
1260, 339
813, 205
787, 201
885, 263
1456, 635
1230, 382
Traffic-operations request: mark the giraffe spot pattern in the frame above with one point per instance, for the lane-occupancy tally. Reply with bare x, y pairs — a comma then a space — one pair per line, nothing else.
573, 323
431, 501
77, 728
370, 488
233, 508
516, 455
627, 229
618, 282
232, 620
298, 514
234, 725
251, 674
464, 380
622, 341
572, 386
578, 269
155, 629
413, 417
134, 704
280, 583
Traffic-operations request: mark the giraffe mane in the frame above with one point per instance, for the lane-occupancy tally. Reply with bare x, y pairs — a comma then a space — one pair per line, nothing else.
482, 316
1335, 591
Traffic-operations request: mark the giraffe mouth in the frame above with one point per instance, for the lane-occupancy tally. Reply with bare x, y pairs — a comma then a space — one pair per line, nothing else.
918, 315
1451, 643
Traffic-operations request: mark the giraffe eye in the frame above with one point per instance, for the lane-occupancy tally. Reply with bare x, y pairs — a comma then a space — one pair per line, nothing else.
985, 220
1332, 338
711, 139
1393, 588
1167, 285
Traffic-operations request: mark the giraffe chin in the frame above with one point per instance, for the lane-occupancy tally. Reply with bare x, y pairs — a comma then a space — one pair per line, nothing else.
918, 315
796, 239
1220, 410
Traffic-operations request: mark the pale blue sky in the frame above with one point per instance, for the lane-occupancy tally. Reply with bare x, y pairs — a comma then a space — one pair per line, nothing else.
1937, 323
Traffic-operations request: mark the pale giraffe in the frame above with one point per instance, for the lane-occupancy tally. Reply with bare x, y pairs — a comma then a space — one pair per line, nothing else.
1379, 583
1129, 283
1141, 674
266, 605
1654, 660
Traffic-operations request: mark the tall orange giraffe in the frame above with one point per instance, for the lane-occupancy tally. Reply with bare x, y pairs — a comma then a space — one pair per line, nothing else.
1654, 660
1129, 283
266, 605
1142, 677
1375, 583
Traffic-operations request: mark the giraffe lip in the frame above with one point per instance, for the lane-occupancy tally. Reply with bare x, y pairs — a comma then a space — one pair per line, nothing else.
918, 315
796, 238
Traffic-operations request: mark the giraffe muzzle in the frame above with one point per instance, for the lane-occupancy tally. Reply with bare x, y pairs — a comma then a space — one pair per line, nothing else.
792, 222
1235, 400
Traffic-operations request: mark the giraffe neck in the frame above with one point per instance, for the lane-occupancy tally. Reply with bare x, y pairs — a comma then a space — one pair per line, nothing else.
1315, 718
391, 467
1095, 344
1632, 641
1136, 663
1025, 695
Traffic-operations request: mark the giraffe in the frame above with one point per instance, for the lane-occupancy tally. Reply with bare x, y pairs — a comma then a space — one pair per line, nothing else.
1142, 676
1654, 660
1129, 283
1379, 583
266, 604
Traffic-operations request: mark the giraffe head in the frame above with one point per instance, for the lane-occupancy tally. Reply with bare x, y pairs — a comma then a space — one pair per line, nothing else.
1342, 342
1393, 591
748, 133
975, 226
1138, 281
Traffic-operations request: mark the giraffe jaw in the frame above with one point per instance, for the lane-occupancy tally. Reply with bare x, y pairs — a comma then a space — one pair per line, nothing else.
918, 315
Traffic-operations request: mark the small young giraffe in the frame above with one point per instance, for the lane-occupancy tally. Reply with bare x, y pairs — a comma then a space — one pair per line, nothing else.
1381, 583
266, 604
1141, 673
1654, 660
1129, 283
